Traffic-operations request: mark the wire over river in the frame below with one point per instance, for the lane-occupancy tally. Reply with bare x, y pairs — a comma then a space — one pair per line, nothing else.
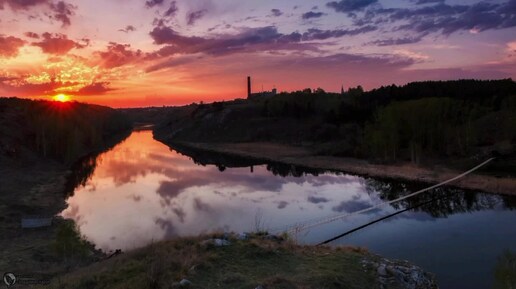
299, 227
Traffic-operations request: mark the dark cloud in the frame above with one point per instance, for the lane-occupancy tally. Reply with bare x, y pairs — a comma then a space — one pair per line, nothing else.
31, 35
192, 17
311, 14
152, 3
350, 5
247, 40
118, 55
58, 43
127, 29
397, 41
276, 12
62, 12
21, 4
96, 88
420, 2
282, 204
443, 18
172, 10
317, 34
166, 35
317, 200
10, 45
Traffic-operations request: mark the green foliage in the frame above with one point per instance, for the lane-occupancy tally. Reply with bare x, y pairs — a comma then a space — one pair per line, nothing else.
505, 271
435, 127
418, 121
69, 246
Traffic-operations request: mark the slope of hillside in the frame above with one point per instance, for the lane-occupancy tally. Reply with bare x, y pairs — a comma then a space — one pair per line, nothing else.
39, 143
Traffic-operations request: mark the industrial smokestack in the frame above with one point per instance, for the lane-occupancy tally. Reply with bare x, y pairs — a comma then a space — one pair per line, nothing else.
248, 86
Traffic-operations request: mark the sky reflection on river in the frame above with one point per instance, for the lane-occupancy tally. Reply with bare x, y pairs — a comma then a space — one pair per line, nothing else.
141, 191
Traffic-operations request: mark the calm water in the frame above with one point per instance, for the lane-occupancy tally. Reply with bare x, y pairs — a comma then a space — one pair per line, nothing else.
141, 191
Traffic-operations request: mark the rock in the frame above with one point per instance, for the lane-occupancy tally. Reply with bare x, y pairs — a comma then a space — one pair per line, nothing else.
259, 287
221, 242
185, 283
401, 274
242, 236
216, 242
381, 270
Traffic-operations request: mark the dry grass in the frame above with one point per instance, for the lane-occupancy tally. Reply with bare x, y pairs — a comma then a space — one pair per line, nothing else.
243, 264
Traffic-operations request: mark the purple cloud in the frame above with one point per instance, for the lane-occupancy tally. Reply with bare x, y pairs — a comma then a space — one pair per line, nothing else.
58, 43
118, 55
247, 40
192, 17
152, 3
276, 12
443, 18
397, 41
311, 14
172, 10
21, 4
346, 6
127, 29
62, 12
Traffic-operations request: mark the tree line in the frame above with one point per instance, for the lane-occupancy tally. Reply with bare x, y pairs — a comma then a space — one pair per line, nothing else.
63, 131
409, 122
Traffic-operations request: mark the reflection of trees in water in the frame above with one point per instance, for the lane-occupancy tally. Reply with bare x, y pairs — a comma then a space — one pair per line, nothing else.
222, 161
446, 201
505, 271
83, 169
285, 170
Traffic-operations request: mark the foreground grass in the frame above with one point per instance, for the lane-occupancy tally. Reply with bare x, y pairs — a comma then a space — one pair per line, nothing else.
243, 264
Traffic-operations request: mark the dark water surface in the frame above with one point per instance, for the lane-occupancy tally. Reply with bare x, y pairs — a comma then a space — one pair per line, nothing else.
141, 191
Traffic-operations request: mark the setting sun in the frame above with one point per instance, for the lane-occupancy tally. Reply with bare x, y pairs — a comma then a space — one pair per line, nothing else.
61, 97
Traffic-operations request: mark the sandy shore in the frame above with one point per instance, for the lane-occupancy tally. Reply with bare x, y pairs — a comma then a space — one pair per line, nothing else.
303, 157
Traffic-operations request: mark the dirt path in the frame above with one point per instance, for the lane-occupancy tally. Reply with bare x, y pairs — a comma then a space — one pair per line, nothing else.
303, 157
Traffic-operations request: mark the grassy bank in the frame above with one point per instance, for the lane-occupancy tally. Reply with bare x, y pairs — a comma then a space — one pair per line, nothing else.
259, 260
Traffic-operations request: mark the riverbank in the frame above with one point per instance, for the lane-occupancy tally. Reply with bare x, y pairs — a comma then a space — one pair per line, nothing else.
246, 261
36, 187
304, 157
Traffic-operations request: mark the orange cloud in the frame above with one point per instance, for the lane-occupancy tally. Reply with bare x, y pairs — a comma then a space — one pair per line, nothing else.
58, 43
9, 46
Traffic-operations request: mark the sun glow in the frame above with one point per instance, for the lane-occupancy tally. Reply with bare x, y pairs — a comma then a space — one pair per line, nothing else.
61, 97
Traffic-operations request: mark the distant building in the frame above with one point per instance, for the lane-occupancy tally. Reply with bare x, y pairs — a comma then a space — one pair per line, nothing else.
251, 95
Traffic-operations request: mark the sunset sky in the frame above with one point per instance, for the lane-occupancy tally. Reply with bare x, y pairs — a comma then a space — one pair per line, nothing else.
127, 53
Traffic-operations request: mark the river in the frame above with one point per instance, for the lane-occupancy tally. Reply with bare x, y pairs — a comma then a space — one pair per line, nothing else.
141, 191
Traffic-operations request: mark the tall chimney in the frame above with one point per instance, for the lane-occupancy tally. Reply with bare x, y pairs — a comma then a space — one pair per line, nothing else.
248, 86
